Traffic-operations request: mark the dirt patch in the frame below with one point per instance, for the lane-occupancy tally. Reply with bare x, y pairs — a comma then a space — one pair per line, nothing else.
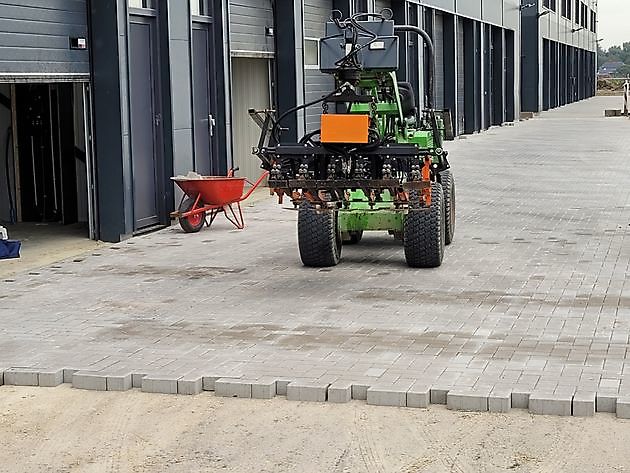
67, 430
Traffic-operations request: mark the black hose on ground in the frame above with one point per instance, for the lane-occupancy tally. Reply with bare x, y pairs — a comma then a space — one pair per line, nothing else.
12, 210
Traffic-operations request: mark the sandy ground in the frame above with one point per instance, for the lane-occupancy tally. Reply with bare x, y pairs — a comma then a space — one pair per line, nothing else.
67, 430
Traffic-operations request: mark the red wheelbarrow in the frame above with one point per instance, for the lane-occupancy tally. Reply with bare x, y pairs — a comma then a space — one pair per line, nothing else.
208, 196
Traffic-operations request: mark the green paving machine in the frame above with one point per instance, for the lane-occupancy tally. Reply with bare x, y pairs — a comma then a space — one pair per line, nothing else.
377, 163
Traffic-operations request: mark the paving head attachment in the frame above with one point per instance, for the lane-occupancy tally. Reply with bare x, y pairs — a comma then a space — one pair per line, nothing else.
377, 162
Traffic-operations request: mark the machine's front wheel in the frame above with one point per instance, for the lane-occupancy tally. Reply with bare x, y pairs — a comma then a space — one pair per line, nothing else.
448, 185
352, 238
424, 232
192, 223
319, 238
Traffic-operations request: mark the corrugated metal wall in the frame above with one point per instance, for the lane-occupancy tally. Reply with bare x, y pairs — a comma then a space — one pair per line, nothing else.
316, 84
248, 20
35, 37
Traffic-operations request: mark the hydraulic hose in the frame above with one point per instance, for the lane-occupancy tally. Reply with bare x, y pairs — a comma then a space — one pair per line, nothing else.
431, 67
12, 210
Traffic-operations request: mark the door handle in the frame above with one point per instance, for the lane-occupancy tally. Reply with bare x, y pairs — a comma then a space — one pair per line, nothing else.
211, 124
158, 119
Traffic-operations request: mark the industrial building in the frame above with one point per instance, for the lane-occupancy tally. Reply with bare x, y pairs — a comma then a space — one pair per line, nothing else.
102, 101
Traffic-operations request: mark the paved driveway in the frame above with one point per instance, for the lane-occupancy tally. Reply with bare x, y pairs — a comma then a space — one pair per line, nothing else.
531, 303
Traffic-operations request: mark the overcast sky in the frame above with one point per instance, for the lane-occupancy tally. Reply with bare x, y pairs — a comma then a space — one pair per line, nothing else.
614, 21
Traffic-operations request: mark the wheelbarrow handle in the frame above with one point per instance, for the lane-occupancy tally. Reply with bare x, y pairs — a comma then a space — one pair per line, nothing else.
255, 185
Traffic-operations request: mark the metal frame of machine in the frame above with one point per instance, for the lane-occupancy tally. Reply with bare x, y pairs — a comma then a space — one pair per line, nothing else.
377, 163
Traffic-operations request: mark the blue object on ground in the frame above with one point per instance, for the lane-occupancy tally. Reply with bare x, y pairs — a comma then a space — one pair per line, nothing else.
9, 249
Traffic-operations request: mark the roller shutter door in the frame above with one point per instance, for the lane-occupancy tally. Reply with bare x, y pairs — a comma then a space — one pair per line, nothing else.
248, 20
438, 39
36, 39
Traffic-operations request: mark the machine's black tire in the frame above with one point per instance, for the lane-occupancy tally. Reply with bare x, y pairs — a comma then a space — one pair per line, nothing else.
194, 223
448, 185
319, 239
352, 238
424, 232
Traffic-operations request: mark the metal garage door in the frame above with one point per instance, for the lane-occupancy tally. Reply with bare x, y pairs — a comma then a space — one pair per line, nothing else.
438, 40
248, 22
460, 76
250, 79
42, 40
316, 84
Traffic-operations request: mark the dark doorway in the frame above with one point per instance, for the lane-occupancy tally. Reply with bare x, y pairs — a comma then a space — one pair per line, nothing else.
203, 90
146, 119
46, 138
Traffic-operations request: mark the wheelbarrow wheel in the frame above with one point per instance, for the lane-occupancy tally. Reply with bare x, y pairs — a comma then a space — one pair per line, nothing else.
192, 223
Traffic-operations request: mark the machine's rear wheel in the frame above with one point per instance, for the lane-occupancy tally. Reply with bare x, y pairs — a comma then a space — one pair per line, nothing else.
319, 238
193, 223
352, 238
448, 185
424, 232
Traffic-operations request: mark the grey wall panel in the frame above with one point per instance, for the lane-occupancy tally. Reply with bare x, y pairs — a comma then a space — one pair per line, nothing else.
511, 14
448, 5
460, 76
35, 37
471, 8
248, 19
316, 84
492, 11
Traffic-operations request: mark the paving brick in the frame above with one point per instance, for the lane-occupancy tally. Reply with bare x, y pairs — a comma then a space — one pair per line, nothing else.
120, 381
500, 400
229, 387
281, 387
419, 396
208, 381
461, 400
190, 385
606, 402
163, 384
623, 408
550, 404
340, 392
520, 399
136, 380
438, 395
21, 377
50, 378
309, 392
359, 392
264, 388
90, 380
584, 404
387, 396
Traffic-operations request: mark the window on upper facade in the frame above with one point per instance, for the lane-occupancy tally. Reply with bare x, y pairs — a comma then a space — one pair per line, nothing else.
311, 53
550, 4
577, 11
566, 8
142, 3
199, 8
594, 22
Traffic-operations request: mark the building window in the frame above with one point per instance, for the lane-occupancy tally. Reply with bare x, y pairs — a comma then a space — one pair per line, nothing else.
311, 53
199, 8
584, 22
593, 22
566, 8
550, 4
577, 11
142, 4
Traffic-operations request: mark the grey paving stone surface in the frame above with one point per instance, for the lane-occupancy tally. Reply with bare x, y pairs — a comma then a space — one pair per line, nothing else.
532, 296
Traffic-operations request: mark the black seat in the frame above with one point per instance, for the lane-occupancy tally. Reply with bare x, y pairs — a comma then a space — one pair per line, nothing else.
407, 99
